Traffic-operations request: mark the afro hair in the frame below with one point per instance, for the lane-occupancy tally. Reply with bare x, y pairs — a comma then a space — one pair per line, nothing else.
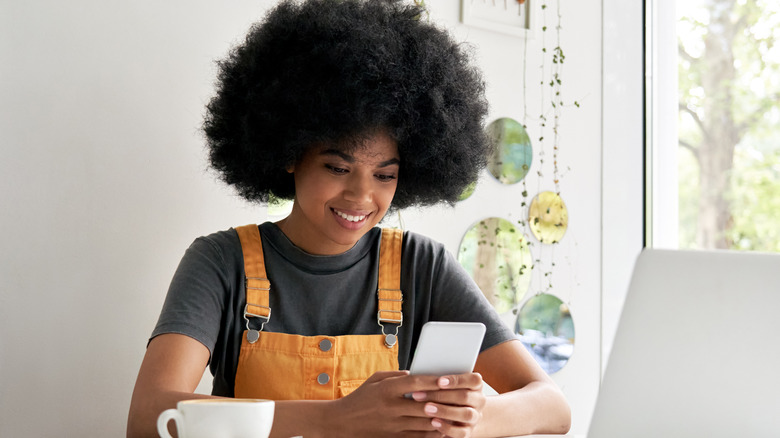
336, 71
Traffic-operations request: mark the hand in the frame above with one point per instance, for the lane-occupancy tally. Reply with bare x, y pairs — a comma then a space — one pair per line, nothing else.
378, 407
456, 407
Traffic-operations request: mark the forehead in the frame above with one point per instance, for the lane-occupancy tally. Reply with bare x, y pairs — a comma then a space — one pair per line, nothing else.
375, 148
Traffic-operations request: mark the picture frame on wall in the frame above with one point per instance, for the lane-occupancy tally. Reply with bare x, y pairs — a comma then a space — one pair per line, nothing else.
511, 17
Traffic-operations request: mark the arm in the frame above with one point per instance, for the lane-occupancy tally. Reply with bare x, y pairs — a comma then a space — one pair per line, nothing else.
170, 372
528, 402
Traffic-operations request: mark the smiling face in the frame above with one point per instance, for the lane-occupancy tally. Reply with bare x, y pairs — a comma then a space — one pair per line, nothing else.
340, 196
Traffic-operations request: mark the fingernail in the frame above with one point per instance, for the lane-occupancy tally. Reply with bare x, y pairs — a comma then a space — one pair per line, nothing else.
419, 396
436, 423
444, 381
430, 409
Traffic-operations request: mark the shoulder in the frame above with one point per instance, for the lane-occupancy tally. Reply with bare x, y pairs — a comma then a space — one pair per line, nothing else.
221, 248
220, 241
422, 250
421, 243
221, 238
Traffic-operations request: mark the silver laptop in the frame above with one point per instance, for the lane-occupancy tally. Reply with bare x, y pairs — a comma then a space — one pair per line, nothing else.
697, 349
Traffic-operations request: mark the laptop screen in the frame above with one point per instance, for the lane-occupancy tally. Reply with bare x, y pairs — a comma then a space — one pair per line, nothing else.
697, 349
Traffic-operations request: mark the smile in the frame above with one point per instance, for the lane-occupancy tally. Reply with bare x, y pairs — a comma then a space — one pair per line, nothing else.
349, 217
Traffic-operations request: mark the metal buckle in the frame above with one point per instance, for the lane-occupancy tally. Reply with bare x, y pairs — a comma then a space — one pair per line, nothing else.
379, 318
247, 315
399, 321
390, 339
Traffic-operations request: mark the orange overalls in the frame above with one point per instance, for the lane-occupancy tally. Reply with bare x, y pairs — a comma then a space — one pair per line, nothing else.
280, 366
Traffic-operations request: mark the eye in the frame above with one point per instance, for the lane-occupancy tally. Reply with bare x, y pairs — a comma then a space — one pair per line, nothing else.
385, 178
335, 169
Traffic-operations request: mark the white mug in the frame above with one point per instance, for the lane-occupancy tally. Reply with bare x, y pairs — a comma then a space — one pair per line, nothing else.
219, 418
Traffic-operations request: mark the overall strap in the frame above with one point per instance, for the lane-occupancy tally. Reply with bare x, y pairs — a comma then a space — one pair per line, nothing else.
256, 283
389, 295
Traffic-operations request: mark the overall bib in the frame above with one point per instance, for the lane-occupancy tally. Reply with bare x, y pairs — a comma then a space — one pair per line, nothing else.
280, 366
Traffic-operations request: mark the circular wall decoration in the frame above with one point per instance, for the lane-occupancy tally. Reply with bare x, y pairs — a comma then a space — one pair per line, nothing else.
496, 255
548, 217
468, 191
512, 154
546, 328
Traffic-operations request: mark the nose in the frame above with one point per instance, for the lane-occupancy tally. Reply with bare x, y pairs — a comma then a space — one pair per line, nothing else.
359, 188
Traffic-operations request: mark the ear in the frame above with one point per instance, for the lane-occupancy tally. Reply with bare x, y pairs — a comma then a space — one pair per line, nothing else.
290, 168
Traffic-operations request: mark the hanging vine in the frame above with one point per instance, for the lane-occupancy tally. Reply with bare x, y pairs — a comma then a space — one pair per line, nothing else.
551, 105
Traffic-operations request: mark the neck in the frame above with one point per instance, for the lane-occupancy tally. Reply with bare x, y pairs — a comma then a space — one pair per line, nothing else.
307, 239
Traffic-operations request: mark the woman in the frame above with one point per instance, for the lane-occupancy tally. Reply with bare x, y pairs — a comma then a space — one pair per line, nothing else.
351, 108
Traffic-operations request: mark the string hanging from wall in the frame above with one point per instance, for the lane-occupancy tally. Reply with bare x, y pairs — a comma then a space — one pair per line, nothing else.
546, 214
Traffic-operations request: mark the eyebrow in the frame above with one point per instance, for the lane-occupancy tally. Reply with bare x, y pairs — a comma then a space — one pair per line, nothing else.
350, 159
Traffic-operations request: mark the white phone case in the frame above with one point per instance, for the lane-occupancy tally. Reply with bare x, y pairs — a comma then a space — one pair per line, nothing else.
447, 348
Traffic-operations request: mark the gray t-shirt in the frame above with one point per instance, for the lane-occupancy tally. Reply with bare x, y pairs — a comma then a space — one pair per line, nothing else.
315, 295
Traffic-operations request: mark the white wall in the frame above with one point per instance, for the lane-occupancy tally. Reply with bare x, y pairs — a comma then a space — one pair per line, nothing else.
103, 184
622, 179
103, 187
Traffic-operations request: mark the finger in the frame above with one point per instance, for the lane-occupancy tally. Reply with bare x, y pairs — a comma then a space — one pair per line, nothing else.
382, 375
416, 383
416, 424
457, 397
458, 414
451, 430
471, 381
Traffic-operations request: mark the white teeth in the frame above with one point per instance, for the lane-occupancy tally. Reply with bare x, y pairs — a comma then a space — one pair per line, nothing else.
349, 217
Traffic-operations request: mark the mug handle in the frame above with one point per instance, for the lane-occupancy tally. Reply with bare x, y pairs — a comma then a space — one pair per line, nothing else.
166, 416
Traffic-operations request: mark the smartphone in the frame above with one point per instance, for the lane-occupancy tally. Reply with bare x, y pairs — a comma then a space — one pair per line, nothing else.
447, 348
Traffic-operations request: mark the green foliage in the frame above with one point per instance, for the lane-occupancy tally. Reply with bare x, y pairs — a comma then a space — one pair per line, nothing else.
753, 96
688, 198
755, 194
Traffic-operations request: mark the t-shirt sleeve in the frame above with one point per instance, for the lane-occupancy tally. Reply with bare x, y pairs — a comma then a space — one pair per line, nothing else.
195, 301
458, 298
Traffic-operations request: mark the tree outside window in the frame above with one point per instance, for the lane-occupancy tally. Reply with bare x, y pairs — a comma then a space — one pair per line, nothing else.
729, 124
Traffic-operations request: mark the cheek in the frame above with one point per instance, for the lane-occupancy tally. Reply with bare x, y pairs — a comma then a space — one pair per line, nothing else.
311, 186
307, 194
388, 194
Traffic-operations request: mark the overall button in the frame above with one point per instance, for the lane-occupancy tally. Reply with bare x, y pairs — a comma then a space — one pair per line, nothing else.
325, 344
323, 379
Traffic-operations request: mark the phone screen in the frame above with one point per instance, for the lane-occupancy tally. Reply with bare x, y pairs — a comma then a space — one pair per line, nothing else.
447, 348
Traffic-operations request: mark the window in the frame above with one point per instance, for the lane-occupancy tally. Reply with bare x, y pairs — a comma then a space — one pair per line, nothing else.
714, 124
